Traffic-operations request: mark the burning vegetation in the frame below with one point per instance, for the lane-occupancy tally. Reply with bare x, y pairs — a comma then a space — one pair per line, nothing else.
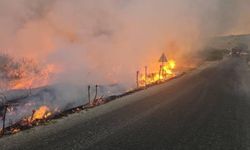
165, 71
42, 105
39, 116
23, 73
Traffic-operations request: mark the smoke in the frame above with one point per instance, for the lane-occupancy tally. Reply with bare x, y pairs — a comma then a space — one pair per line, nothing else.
106, 41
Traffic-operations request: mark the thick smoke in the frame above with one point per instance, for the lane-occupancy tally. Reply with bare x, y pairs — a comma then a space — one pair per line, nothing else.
106, 41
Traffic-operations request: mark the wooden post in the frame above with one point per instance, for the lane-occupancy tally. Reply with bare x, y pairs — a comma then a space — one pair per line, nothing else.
89, 94
160, 73
96, 86
137, 79
3, 98
4, 118
146, 75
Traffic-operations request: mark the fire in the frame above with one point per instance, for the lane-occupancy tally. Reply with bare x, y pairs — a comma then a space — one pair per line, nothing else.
42, 113
33, 80
23, 73
165, 71
169, 67
38, 116
171, 64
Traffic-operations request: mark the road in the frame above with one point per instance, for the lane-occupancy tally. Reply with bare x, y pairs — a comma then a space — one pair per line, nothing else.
207, 109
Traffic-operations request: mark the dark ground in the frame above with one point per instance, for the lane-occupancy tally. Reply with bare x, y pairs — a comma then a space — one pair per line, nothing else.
206, 110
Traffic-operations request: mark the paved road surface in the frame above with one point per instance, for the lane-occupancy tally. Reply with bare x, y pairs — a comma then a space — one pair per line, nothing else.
208, 109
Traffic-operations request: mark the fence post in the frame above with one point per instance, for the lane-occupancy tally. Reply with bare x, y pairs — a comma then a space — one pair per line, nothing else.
89, 94
137, 79
160, 73
96, 86
3, 98
4, 118
146, 75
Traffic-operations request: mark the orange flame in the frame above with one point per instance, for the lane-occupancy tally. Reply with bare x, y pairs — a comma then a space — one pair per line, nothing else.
42, 113
166, 71
35, 80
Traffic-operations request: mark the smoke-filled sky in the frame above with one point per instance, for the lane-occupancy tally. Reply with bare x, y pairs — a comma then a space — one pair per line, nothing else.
108, 40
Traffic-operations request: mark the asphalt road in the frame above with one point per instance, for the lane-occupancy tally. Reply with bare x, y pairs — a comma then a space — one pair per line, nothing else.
208, 109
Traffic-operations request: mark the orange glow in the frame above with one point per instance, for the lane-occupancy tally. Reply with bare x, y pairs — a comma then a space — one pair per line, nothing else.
171, 64
42, 113
27, 80
168, 68
159, 74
